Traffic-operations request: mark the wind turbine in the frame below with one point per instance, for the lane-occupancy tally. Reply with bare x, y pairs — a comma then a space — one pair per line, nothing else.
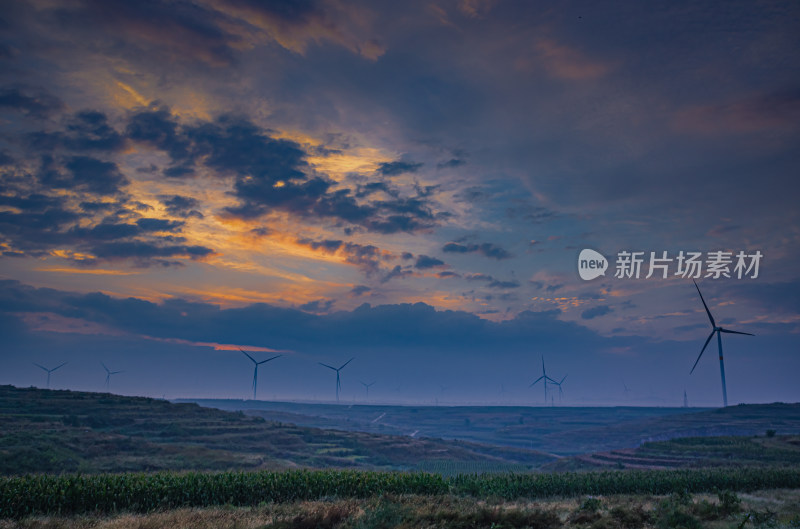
545, 379
109, 373
338, 380
255, 369
560, 391
49, 371
718, 330
367, 386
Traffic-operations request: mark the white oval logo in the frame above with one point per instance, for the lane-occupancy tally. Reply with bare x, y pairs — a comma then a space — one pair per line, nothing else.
591, 264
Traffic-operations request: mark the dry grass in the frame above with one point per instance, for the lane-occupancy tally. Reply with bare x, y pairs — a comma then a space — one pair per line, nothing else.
446, 512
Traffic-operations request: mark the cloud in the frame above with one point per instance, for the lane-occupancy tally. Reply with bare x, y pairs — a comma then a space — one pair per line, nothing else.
34, 103
318, 306
487, 249
595, 312
450, 164
424, 262
397, 271
83, 173
181, 206
398, 167
84, 131
496, 283
758, 112
365, 256
273, 174
359, 290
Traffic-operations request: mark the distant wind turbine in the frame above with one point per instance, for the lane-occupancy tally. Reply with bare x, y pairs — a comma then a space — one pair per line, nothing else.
367, 386
109, 373
545, 379
718, 330
255, 369
560, 390
338, 379
49, 371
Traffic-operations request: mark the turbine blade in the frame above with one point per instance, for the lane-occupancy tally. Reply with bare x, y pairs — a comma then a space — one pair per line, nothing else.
104, 367
268, 359
562, 380
535, 381
40, 366
710, 317
347, 363
736, 332
550, 379
248, 356
702, 351
62, 365
329, 367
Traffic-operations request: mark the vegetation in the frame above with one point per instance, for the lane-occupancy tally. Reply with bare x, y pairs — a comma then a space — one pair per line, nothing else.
774, 508
66, 431
76, 494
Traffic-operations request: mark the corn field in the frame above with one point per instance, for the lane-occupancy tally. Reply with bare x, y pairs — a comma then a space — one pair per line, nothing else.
108, 493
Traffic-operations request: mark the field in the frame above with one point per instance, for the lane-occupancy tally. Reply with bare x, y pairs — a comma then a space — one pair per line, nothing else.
74, 459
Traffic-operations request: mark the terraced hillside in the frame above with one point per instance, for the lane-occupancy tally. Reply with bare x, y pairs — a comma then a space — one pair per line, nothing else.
693, 452
66, 431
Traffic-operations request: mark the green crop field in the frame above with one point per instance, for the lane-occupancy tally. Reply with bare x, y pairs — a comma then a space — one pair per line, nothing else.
108, 493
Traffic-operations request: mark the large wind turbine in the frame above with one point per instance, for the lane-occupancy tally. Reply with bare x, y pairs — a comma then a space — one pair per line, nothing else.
718, 330
367, 386
109, 373
49, 371
338, 380
255, 369
545, 379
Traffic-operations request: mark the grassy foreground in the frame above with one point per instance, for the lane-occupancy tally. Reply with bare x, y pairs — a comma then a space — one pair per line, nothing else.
110, 493
773, 508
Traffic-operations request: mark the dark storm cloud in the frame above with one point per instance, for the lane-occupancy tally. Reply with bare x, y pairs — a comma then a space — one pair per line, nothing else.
398, 167
446, 274
36, 104
488, 249
595, 312
424, 262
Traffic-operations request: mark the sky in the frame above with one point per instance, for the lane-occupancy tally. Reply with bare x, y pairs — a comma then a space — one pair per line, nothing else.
409, 184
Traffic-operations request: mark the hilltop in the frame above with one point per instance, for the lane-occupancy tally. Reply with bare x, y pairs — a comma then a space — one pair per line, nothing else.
69, 431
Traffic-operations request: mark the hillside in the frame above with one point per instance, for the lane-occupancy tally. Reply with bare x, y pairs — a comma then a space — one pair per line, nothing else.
67, 431
565, 431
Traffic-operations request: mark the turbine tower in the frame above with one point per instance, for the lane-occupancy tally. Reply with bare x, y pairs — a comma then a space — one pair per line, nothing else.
560, 391
545, 379
109, 373
49, 371
338, 379
718, 330
367, 386
255, 369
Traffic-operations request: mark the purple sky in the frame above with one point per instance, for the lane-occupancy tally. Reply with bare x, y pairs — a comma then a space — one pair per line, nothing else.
408, 183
